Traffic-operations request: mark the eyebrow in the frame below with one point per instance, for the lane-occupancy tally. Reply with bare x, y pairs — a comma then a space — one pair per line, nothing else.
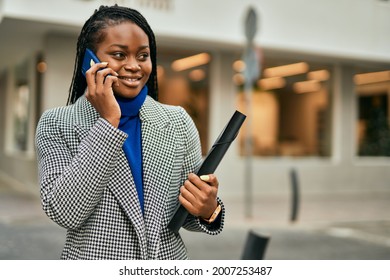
126, 47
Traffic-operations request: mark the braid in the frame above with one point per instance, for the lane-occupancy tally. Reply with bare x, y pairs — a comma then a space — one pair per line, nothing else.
91, 34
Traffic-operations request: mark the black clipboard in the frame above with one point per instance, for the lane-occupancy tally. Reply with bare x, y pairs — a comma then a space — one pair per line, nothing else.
211, 162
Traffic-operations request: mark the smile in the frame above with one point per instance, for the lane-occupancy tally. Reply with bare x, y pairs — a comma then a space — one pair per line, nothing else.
130, 79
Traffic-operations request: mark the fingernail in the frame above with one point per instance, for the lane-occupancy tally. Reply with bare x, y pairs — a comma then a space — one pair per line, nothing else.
104, 63
205, 178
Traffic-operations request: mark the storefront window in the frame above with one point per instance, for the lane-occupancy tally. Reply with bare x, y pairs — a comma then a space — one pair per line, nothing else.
291, 113
183, 81
373, 132
21, 108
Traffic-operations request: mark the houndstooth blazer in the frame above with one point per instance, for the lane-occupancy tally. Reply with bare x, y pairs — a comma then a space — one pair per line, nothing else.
87, 186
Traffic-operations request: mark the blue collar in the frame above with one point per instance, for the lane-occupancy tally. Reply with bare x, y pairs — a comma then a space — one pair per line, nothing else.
130, 106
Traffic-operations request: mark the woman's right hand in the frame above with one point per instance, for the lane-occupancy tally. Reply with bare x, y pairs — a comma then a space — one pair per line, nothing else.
100, 82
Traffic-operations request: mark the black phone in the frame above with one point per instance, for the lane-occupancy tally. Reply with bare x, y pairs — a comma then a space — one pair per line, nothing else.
89, 59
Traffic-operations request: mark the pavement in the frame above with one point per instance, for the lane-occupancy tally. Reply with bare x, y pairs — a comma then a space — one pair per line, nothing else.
353, 226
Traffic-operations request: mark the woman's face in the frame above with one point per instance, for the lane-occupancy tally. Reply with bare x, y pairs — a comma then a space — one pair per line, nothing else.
126, 49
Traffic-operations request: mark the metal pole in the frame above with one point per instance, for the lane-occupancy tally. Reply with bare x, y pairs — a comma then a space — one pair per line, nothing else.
294, 195
251, 74
248, 152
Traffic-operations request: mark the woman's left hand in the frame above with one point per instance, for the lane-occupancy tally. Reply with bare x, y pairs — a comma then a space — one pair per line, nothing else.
199, 195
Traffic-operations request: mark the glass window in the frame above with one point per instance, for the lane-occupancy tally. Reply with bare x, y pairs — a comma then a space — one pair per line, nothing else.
291, 109
22, 97
21, 108
373, 133
183, 80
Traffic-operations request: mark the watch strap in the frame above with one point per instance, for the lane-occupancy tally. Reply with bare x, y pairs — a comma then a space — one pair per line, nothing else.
214, 215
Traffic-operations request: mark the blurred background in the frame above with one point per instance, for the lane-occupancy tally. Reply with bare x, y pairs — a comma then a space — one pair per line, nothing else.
309, 170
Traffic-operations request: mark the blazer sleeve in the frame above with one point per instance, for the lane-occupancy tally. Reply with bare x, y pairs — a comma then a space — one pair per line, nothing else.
72, 184
192, 162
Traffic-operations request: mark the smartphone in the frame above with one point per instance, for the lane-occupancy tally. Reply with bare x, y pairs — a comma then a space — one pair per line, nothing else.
89, 59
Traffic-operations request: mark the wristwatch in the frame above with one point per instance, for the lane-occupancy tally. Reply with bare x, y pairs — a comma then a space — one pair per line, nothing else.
214, 215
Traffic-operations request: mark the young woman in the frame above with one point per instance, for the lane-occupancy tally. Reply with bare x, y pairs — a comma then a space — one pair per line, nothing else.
115, 163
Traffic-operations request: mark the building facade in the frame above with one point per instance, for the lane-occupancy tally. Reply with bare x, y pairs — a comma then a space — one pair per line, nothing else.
321, 105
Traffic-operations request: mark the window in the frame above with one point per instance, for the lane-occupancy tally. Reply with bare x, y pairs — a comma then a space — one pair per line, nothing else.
183, 81
20, 109
373, 132
291, 113
21, 112
21, 101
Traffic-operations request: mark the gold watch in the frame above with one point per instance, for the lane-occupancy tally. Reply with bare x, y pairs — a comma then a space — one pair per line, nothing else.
214, 215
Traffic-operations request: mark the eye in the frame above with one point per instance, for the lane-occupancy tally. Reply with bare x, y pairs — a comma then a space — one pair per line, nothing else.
143, 56
118, 55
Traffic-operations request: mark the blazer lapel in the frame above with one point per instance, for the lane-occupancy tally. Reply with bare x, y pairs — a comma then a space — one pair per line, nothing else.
158, 148
123, 188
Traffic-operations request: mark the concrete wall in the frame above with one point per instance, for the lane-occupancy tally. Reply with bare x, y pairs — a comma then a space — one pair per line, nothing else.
343, 28
60, 53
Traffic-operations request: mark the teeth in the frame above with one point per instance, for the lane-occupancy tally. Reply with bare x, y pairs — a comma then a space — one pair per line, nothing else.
129, 79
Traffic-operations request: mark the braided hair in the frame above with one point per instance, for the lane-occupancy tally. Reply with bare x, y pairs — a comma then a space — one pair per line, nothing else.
92, 34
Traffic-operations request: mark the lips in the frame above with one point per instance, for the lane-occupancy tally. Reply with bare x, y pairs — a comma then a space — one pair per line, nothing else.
130, 81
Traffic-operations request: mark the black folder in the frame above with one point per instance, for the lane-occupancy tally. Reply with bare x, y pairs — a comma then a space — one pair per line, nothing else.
210, 164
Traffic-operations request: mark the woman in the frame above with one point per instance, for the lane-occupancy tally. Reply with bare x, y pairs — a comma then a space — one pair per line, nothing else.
115, 163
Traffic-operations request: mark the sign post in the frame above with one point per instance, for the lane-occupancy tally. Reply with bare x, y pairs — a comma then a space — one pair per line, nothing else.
251, 74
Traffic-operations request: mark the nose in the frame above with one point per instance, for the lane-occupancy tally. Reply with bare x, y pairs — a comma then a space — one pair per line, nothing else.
132, 65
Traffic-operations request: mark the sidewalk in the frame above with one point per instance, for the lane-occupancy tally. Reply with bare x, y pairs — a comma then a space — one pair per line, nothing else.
18, 205
343, 226
313, 210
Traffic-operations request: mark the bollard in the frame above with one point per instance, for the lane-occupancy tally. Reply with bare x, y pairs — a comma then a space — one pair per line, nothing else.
294, 195
255, 246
